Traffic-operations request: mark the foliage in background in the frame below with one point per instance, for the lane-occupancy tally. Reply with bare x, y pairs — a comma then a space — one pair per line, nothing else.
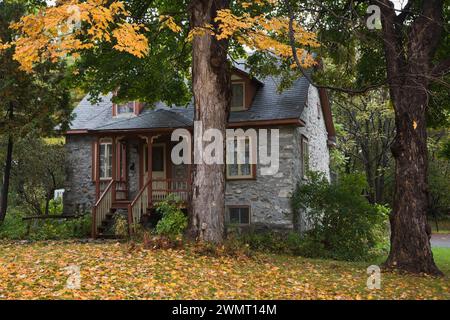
173, 221
365, 127
439, 173
14, 228
340, 222
38, 170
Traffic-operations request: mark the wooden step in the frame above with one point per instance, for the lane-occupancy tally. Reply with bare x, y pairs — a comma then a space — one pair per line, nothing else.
121, 204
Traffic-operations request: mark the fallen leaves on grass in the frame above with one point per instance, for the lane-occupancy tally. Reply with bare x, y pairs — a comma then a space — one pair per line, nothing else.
113, 271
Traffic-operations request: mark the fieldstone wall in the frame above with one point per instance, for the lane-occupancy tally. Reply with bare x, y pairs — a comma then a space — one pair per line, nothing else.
269, 196
79, 194
316, 132
317, 135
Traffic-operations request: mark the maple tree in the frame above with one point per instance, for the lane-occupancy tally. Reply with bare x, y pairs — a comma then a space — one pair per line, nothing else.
48, 36
54, 32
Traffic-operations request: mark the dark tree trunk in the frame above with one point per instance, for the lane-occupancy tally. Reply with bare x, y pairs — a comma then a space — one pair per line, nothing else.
408, 66
211, 88
6, 179
410, 236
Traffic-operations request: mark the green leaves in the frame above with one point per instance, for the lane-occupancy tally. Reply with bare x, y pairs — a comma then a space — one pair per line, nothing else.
174, 221
340, 222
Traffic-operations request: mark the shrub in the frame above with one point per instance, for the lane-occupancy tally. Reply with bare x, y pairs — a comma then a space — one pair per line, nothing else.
14, 228
342, 223
173, 221
120, 227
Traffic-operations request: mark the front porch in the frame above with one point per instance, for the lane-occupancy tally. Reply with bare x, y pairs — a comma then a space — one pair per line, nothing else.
123, 181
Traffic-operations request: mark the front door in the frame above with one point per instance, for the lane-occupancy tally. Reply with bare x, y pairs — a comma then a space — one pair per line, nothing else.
159, 172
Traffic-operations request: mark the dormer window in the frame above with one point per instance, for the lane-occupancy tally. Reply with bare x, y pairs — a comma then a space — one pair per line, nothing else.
126, 109
237, 96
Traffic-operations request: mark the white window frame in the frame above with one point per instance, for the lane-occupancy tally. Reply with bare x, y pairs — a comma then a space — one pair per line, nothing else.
241, 108
108, 161
125, 114
241, 176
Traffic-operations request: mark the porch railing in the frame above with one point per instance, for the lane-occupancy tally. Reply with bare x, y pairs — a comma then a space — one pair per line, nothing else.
138, 207
102, 207
154, 192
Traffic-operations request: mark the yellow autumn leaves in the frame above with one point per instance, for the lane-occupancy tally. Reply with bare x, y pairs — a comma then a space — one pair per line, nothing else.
54, 32
110, 270
263, 33
73, 26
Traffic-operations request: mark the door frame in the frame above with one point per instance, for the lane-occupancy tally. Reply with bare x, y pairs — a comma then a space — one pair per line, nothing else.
143, 159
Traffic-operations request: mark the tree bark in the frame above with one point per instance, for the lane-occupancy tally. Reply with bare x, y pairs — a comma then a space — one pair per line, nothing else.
211, 89
408, 64
6, 179
410, 232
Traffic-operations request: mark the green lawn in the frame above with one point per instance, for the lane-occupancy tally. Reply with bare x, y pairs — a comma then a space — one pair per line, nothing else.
117, 271
442, 258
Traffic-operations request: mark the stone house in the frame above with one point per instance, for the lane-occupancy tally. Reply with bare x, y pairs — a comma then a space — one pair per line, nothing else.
111, 147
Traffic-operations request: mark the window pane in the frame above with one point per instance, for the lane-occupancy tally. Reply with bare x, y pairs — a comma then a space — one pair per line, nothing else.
245, 215
105, 160
239, 215
245, 169
145, 158
109, 163
158, 159
102, 161
232, 170
234, 215
125, 108
237, 95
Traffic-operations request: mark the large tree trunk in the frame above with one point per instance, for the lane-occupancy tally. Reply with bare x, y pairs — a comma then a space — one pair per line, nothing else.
410, 236
211, 88
6, 179
409, 62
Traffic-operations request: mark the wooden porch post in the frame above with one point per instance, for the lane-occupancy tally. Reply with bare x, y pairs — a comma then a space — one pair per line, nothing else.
114, 167
97, 169
149, 170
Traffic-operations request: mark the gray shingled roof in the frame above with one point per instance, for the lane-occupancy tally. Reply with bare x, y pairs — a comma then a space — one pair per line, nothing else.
268, 104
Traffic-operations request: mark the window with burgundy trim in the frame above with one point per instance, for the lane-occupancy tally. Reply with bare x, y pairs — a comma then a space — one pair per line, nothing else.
126, 109
105, 163
245, 170
237, 96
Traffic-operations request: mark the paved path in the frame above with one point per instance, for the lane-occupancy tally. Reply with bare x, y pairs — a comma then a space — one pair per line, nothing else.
440, 240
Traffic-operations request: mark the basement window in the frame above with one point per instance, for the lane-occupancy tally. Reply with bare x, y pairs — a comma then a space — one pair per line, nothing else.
239, 215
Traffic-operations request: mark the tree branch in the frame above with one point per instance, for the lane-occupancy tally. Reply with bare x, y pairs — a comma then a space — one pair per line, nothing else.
307, 76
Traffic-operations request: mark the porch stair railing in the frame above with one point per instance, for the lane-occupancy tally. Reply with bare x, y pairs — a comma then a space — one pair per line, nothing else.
102, 207
154, 191
138, 207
